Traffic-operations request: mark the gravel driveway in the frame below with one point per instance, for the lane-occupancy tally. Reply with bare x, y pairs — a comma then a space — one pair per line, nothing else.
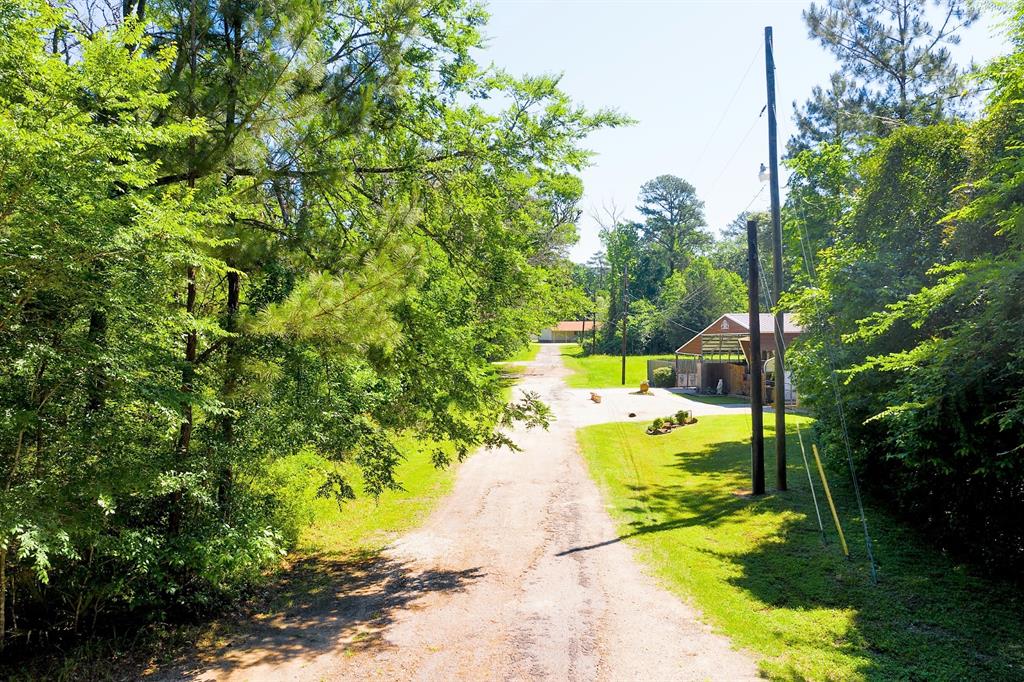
518, 574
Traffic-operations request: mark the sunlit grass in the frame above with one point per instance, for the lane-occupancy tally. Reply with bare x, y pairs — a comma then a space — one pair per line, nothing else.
604, 371
759, 571
716, 399
366, 524
526, 354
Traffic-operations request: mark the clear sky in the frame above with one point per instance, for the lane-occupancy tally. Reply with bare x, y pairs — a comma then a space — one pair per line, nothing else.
691, 73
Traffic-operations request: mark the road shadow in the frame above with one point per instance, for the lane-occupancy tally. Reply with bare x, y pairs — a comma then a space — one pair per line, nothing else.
320, 605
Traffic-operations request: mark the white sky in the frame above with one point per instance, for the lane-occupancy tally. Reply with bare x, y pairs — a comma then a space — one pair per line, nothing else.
674, 66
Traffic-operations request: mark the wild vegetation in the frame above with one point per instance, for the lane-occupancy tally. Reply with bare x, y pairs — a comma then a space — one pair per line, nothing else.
908, 220
243, 233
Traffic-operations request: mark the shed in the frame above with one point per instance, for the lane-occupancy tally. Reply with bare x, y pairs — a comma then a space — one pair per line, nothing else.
722, 352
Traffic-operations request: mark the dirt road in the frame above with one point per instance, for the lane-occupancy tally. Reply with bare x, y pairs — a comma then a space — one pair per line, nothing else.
519, 574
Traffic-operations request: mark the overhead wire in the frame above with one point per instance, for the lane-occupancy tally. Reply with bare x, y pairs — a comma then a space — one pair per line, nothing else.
840, 408
737, 150
751, 202
728, 107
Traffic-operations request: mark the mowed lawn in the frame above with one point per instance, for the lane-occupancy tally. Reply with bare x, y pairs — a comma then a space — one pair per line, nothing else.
526, 354
365, 525
604, 371
759, 571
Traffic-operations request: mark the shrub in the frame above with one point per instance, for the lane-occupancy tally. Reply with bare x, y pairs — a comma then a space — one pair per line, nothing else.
658, 423
664, 377
682, 416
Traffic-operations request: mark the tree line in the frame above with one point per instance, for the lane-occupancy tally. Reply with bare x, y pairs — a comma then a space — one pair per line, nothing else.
236, 232
904, 228
678, 276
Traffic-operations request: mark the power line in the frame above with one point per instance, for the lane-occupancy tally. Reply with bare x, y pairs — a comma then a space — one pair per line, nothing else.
751, 203
737, 150
728, 107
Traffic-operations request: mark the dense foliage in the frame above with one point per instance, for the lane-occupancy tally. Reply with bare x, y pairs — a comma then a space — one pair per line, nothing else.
235, 232
895, 68
910, 288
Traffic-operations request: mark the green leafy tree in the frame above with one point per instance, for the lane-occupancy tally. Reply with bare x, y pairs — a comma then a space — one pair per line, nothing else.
916, 307
240, 231
673, 220
895, 68
693, 299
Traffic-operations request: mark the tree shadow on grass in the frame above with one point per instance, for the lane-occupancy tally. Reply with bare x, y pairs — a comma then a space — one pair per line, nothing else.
926, 619
323, 605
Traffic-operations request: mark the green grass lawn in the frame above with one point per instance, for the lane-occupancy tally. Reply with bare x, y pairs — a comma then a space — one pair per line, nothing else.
716, 399
365, 525
527, 354
604, 371
759, 571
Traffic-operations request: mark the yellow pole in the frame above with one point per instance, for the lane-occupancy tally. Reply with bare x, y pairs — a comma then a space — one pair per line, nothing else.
831, 504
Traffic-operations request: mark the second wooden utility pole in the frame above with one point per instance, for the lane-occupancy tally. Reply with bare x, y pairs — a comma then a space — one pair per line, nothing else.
625, 315
780, 344
756, 410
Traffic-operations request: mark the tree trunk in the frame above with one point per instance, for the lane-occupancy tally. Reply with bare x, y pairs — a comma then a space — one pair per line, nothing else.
232, 15
904, 19
232, 364
97, 380
191, 338
187, 377
3, 597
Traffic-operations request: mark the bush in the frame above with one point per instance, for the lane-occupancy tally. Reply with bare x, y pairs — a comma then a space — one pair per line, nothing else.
682, 416
658, 423
664, 377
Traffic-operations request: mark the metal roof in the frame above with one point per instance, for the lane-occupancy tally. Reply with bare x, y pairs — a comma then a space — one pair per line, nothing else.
733, 324
574, 326
766, 320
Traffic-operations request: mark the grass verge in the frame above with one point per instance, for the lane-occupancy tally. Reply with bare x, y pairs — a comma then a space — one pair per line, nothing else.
715, 399
527, 354
604, 371
365, 525
759, 571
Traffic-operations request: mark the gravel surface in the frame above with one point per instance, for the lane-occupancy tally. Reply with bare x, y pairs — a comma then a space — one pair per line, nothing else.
519, 574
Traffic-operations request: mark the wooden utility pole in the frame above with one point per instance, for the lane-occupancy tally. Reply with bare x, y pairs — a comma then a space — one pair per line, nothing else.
625, 315
593, 329
756, 409
773, 166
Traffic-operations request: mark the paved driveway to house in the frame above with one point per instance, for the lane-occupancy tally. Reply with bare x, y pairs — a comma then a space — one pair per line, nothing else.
617, 404
519, 574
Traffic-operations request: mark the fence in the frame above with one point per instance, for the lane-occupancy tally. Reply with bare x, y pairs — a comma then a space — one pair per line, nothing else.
685, 370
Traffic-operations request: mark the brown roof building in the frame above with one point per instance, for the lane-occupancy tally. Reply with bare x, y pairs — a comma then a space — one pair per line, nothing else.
568, 330
721, 353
